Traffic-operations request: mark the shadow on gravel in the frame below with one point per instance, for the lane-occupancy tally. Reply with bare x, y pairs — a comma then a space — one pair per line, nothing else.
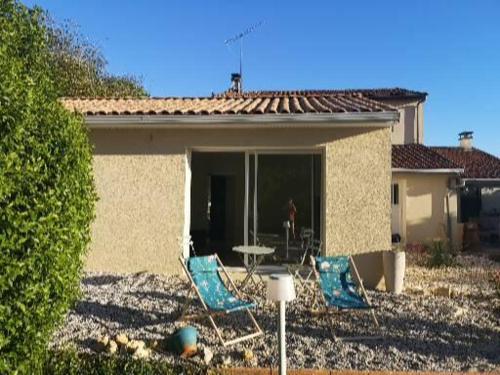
443, 339
126, 316
409, 335
101, 280
154, 295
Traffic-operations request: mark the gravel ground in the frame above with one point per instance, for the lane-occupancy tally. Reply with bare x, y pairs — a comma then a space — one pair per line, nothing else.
419, 331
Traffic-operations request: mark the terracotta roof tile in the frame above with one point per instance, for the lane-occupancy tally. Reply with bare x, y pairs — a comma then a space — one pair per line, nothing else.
375, 93
476, 163
229, 104
417, 156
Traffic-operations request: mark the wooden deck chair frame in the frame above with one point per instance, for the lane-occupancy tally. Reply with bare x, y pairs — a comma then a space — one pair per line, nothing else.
207, 313
328, 310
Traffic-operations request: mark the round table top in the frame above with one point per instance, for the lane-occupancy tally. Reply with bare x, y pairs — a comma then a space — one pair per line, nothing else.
253, 250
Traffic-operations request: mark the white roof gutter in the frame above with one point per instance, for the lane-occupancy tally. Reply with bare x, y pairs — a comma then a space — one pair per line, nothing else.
435, 171
481, 179
356, 119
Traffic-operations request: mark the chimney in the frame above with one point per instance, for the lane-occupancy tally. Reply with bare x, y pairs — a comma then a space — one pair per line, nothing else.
465, 139
236, 84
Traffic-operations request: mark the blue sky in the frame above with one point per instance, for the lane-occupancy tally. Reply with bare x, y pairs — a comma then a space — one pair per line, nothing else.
451, 49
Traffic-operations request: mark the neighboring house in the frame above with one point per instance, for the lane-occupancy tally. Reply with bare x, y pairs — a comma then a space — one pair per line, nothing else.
436, 190
223, 169
479, 190
424, 195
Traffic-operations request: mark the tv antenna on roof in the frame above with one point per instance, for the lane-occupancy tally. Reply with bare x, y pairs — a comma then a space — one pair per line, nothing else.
239, 37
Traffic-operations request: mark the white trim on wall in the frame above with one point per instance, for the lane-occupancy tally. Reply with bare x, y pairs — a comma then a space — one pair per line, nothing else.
409, 170
328, 120
187, 204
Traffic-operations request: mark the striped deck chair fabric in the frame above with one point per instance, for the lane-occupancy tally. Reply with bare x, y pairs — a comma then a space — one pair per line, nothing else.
205, 274
337, 284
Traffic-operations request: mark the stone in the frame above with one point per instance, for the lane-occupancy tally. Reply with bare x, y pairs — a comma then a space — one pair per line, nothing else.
121, 339
247, 355
141, 353
207, 355
155, 345
102, 343
112, 347
442, 291
459, 311
133, 345
226, 360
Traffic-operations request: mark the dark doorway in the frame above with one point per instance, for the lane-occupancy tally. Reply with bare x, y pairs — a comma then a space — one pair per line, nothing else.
217, 203
218, 208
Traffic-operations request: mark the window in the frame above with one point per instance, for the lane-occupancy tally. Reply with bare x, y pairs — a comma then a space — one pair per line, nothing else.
395, 194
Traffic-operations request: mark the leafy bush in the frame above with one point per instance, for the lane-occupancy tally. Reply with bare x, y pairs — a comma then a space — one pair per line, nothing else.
440, 255
79, 67
46, 193
71, 363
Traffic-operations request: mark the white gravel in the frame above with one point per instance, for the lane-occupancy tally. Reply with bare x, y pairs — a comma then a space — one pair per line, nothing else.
419, 332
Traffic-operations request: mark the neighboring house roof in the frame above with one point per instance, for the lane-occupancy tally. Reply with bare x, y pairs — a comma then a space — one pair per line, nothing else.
243, 104
376, 94
477, 164
418, 157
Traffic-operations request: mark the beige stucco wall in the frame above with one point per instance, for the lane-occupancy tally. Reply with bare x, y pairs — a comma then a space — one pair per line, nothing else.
410, 127
424, 202
358, 193
141, 177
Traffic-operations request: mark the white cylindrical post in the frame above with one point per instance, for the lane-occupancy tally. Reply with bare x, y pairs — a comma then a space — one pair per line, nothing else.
286, 225
282, 340
280, 288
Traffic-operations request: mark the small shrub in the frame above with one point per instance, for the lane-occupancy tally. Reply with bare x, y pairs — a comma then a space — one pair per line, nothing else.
440, 255
69, 362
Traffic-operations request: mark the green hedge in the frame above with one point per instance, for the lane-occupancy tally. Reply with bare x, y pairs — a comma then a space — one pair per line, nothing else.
70, 363
47, 195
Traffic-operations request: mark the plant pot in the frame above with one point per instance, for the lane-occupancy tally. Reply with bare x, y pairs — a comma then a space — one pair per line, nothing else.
394, 270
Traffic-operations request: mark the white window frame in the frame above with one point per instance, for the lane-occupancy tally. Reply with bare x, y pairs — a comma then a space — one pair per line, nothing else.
247, 152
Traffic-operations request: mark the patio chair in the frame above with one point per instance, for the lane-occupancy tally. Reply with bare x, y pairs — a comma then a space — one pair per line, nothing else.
216, 299
338, 289
302, 271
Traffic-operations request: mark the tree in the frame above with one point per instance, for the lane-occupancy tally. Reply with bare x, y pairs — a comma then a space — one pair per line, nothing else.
79, 68
47, 195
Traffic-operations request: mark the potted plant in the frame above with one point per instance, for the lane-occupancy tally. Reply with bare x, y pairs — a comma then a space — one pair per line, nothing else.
394, 269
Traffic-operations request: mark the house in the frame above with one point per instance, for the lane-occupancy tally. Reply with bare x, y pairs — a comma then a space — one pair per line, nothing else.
423, 195
223, 168
479, 188
424, 202
436, 190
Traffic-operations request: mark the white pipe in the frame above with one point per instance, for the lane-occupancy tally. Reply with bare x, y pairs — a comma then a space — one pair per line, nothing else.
282, 340
246, 203
255, 192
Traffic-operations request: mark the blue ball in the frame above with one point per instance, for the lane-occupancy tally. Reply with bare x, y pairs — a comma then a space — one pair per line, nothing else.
184, 340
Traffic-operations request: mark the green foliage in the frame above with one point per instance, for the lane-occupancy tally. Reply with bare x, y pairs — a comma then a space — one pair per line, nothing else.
440, 255
47, 195
71, 363
79, 68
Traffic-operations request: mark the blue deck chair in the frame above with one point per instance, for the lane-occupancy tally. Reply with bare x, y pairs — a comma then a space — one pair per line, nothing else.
338, 289
204, 274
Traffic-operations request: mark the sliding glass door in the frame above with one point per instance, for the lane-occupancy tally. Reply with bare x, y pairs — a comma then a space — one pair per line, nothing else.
254, 197
284, 201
